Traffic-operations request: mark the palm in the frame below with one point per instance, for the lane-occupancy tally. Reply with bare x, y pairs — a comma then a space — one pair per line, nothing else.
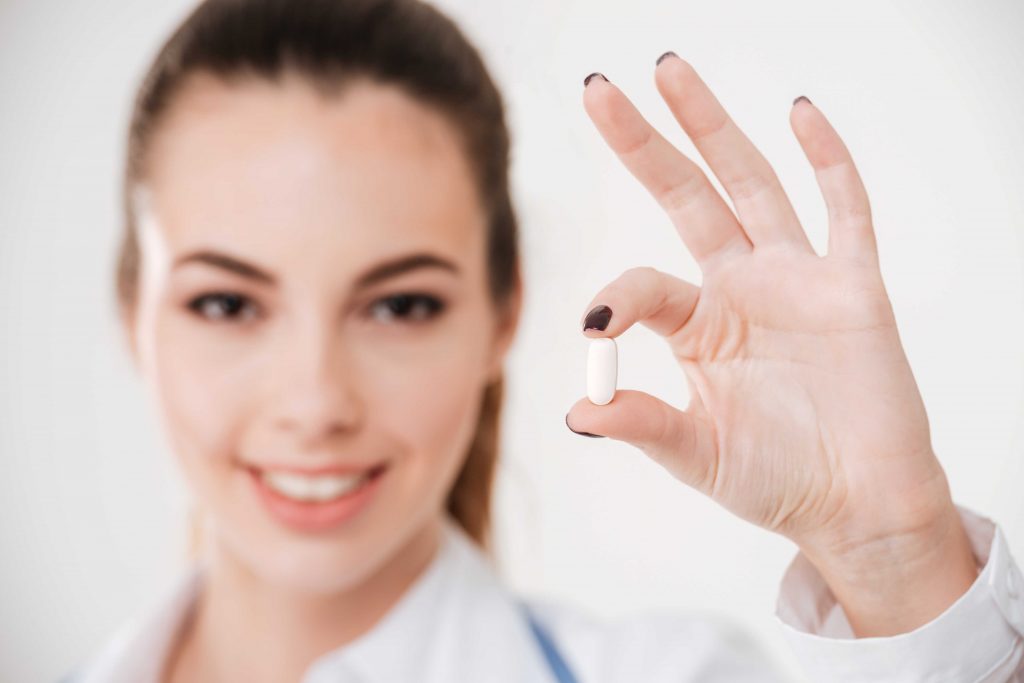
796, 363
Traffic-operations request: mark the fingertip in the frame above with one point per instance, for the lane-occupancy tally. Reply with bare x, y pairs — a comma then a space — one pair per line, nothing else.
581, 433
670, 60
597, 94
807, 124
801, 111
664, 56
576, 430
598, 318
819, 140
597, 102
675, 75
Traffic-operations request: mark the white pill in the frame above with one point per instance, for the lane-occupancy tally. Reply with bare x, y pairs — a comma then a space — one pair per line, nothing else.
602, 370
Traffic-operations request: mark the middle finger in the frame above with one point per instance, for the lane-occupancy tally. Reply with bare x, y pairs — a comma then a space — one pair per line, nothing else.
701, 216
763, 208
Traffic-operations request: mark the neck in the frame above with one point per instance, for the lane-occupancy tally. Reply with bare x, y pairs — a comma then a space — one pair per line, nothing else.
243, 628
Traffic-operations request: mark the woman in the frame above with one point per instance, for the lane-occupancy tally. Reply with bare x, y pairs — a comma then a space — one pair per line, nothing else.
319, 281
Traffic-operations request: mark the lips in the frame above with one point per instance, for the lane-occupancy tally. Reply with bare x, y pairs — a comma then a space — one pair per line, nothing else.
316, 499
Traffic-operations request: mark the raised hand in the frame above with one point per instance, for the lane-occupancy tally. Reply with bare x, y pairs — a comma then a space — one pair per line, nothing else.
804, 416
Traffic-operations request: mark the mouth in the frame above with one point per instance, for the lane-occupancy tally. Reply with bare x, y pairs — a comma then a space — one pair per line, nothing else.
319, 500
324, 485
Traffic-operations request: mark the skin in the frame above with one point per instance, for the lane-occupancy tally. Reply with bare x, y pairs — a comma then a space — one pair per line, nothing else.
804, 416
310, 369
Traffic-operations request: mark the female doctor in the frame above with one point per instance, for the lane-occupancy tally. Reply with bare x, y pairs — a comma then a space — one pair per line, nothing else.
319, 280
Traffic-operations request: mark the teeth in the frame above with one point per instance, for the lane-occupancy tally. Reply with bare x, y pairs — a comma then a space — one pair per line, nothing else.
317, 488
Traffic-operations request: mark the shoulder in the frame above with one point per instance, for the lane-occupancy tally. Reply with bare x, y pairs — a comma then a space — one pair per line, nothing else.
652, 646
107, 662
135, 652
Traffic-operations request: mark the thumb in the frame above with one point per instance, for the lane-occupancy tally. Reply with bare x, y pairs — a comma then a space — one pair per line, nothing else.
682, 442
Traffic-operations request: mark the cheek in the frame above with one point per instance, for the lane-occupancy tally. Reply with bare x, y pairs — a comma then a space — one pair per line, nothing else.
428, 398
202, 389
434, 410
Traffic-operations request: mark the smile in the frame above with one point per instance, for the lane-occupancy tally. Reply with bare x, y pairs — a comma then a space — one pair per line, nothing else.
316, 501
314, 488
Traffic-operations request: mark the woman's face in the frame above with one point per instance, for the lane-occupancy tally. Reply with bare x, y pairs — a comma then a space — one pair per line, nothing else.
314, 299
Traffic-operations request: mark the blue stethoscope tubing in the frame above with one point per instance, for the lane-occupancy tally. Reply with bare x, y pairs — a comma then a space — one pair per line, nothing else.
558, 665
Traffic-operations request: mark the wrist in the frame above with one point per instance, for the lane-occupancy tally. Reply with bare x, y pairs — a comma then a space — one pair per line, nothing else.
897, 581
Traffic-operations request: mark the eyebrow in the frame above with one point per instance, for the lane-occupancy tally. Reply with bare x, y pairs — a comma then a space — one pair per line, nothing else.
383, 271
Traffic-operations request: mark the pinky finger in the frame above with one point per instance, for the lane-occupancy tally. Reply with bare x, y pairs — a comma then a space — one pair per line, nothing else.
851, 234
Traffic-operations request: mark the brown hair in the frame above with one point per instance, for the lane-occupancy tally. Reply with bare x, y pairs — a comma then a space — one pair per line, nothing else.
402, 42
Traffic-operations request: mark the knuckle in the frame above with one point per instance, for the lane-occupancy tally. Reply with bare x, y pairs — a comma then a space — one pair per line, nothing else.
644, 274
642, 280
849, 213
638, 145
748, 186
677, 198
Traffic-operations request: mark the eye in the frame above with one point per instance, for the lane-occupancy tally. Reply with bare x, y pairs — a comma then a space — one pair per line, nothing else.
411, 308
223, 306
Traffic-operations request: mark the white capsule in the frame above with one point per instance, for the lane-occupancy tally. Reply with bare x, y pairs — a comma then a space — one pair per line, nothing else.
602, 370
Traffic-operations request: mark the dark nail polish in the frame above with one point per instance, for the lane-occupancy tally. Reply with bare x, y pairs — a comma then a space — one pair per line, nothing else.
594, 436
586, 80
598, 318
802, 97
667, 54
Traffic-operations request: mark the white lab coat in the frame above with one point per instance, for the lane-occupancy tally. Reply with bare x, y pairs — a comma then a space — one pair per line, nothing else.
458, 622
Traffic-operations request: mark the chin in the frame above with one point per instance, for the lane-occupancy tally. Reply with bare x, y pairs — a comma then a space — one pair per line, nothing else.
321, 563
321, 571
306, 564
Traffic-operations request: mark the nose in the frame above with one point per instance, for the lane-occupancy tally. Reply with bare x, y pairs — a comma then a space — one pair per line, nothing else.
315, 388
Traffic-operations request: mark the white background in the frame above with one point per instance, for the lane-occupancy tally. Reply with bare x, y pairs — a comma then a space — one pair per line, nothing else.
929, 96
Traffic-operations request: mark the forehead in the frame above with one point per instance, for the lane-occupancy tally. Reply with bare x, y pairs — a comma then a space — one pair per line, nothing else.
286, 172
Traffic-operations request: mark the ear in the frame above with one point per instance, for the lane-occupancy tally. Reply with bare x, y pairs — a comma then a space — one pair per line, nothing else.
507, 322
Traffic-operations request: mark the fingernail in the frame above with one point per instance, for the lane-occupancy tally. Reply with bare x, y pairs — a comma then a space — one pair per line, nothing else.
586, 80
598, 318
594, 436
667, 54
802, 97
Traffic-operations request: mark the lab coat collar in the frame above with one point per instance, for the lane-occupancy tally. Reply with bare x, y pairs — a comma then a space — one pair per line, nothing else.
136, 653
457, 622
